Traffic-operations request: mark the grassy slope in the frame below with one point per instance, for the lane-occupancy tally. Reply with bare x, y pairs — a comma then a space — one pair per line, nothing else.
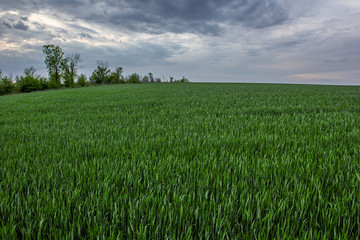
181, 161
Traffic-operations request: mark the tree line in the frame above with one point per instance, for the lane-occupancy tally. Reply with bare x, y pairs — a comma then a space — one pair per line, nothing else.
63, 73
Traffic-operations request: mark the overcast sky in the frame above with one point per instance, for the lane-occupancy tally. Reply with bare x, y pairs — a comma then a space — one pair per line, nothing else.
304, 41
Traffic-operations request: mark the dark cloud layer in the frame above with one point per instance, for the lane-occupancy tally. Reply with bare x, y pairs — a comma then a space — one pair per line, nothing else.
11, 21
158, 16
199, 16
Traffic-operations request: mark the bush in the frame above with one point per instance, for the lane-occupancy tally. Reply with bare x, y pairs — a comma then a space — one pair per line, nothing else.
29, 84
6, 85
97, 78
101, 73
53, 84
82, 80
134, 78
114, 78
44, 83
182, 80
68, 81
145, 79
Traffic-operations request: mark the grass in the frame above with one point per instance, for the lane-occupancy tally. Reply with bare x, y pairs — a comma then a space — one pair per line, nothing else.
181, 161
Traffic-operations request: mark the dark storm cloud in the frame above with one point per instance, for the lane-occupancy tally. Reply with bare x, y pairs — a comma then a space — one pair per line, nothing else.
40, 26
24, 19
7, 24
85, 35
21, 26
197, 16
158, 16
256, 14
81, 28
12, 21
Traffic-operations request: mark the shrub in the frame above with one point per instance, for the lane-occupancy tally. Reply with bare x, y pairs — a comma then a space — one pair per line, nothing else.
114, 78
134, 78
29, 84
53, 84
31, 81
44, 83
145, 79
182, 80
68, 80
101, 73
82, 80
96, 78
6, 85
107, 79
122, 80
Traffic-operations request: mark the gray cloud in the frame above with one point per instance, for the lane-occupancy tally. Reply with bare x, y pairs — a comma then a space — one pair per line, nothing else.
14, 21
337, 61
82, 29
7, 24
85, 35
39, 26
159, 16
138, 54
257, 14
26, 19
196, 16
21, 26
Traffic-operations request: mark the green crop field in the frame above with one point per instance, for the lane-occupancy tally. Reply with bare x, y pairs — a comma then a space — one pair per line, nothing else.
181, 161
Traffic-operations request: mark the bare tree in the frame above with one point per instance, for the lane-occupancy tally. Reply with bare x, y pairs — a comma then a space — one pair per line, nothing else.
151, 78
30, 72
71, 69
101, 72
119, 71
145, 79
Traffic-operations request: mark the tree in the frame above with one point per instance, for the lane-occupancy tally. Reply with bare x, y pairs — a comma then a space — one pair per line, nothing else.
145, 79
151, 78
115, 77
184, 80
100, 74
119, 71
70, 69
120, 77
30, 72
6, 84
55, 63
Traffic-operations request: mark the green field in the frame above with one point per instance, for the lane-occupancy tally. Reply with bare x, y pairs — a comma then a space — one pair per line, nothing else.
181, 161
